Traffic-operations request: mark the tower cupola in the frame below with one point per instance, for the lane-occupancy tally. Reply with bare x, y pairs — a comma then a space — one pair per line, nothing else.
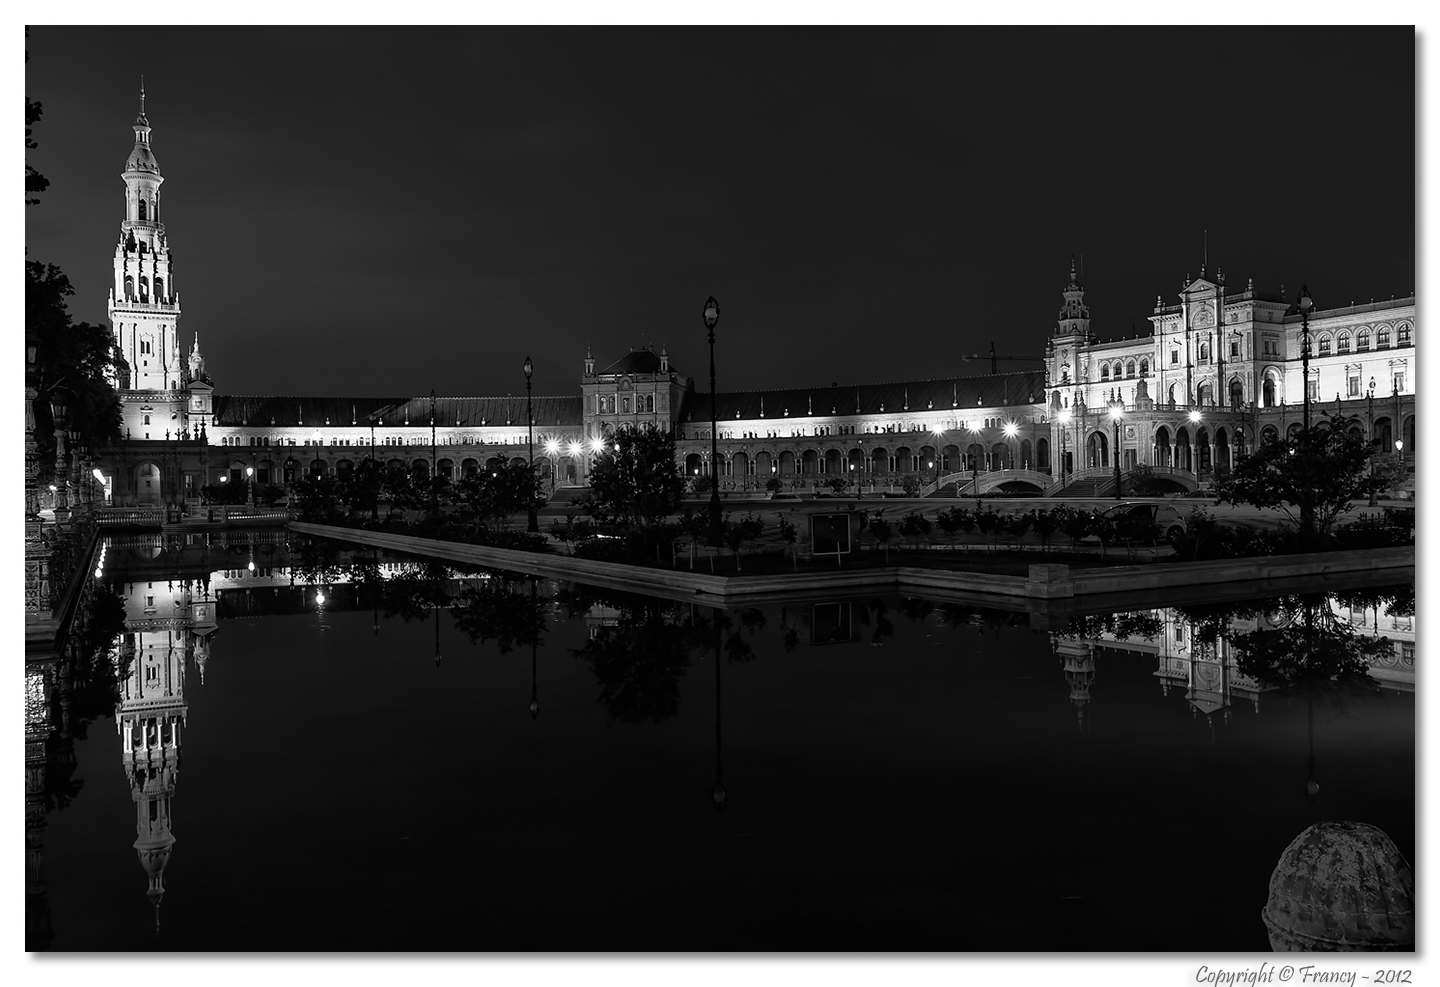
1074, 319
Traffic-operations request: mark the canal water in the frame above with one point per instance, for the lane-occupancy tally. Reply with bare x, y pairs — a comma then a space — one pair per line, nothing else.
320, 748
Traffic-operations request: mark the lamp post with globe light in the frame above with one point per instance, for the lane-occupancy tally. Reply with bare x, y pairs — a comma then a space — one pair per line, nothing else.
711, 315
1195, 417
1116, 411
533, 523
1370, 428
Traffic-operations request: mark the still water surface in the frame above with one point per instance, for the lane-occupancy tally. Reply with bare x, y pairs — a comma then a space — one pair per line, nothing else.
897, 774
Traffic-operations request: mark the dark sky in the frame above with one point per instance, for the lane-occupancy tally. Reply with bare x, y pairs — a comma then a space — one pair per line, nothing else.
383, 211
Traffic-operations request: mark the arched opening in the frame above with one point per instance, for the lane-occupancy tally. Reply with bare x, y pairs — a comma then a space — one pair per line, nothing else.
1407, 432
318, 468
764, 466
1162, 447
445, 468
1223, 459
1384, 434
1144, 368
787, 463
833, 462
1097, 450
1042, 454
1183, 458
147, 486
420, 469
142, 210
1237, 393
739, 467
1027, 455
880, 461
902, 460
1202, 396
810, 462
1202, 448
1000, 457
1269, 434
469, 467
1269, 391
693, 465
1105, 371
950, 458
344, 468
129, 288
974, 456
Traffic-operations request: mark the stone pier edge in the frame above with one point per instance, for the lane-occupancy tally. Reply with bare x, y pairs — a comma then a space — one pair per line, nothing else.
1046, 581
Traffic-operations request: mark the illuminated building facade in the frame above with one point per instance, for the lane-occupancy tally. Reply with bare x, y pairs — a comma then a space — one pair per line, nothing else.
1217, 373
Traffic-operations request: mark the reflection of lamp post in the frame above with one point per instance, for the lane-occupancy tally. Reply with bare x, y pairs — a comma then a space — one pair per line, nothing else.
711, 316
1312, 786
552, 455
1010, 431
974, 465
250, 481
533, 524
1115, 412
939, 435
534, 616
718, 792
1370, 433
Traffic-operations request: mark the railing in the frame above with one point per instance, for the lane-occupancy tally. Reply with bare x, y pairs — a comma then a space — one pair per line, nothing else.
132, 516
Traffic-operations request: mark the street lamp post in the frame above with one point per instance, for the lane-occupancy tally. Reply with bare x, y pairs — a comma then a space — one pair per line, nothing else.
974, 466
434, 493
1305, 303
1064, 419
1115, 413
533, 524
250, 481
1011, 430
1370, 433
712, 316
1195, 447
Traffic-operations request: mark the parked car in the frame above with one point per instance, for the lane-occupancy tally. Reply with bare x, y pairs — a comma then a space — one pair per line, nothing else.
1133, 521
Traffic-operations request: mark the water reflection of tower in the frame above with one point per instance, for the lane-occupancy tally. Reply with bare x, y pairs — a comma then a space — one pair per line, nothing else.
151, 713
1078, 658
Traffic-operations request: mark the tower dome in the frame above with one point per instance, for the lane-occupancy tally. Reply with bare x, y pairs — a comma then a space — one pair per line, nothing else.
142, 159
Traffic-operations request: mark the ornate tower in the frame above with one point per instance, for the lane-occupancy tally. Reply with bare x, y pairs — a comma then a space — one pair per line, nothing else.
144, 306
1072, 333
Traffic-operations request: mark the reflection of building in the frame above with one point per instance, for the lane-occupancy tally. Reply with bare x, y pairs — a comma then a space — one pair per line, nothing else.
160, 632
1206, 670
1217, 372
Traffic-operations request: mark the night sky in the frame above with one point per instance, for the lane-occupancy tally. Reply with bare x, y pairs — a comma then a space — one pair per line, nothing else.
383, 211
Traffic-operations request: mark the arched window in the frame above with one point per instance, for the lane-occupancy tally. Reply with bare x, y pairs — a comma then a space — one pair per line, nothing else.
1403, 336
1382, 338
142, 209
649, 402
1269, 392
144, 289
1130, 369
129, 288
1309, 342
159, 288
1342, 343
1144, 368
1204, 352
1362, 341
1324, 345
1104, 370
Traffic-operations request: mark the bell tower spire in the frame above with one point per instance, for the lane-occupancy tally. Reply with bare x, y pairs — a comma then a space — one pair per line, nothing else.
144, 306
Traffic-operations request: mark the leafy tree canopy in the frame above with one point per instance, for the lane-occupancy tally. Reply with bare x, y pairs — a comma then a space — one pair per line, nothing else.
637, 479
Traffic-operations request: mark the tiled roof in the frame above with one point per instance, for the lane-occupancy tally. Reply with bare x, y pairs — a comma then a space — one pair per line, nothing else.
243, 409
645, 361
898, 398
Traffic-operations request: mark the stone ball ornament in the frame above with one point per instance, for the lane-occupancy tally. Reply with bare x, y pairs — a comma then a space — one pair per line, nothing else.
1339, 887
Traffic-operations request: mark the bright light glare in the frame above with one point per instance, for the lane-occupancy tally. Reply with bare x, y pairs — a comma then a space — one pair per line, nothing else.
1115, 413
552, 447
97, 474
1194, 416
1065, 417
319, 597
1011, 428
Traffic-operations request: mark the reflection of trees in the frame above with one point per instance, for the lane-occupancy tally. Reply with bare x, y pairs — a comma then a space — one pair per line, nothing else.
1299, 640
1141, 624
640, 654
503, 608
880, 612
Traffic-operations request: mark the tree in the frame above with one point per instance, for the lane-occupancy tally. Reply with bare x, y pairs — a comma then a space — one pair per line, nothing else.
637, 479
881, 531
74, 363
1311, 477
34, 181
